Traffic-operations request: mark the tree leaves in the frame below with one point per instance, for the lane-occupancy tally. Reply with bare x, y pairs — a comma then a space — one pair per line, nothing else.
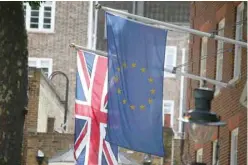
35, 4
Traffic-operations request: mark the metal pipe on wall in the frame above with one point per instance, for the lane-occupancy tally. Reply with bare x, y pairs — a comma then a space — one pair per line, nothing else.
90, 24
65, 102
95, 28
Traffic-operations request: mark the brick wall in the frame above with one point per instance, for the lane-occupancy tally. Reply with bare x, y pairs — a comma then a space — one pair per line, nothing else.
49, 143
71, 19
33, 100
30, 124
205, 16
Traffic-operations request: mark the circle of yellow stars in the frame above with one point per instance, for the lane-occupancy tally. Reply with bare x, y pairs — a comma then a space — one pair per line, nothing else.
119, 91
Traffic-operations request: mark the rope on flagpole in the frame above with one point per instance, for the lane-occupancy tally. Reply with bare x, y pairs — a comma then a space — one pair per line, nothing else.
173, 71
172, 26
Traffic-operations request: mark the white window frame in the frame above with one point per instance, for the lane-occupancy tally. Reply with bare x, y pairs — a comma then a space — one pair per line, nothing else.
37, 63
234, 147
41, 17
203, 58
243, 97
166, 74
214, 153
171, 103
199, 155
239, 37
105, 24
220, 56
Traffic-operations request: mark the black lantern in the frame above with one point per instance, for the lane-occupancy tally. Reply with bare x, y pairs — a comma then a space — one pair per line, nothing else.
200, 120
40, 157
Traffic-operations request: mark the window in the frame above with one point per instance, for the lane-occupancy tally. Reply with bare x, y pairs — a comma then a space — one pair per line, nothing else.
203, 59
40, 19
199, 155
44, 63
219, 58
170, 59
168, 108
214, 153
234, 147
239, 37
105, 24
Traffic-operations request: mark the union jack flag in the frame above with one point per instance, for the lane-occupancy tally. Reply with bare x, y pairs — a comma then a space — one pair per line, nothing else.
90, 148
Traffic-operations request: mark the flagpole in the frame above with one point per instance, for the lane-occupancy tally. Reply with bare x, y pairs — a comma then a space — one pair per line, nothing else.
172, 26
173, 71
98, 52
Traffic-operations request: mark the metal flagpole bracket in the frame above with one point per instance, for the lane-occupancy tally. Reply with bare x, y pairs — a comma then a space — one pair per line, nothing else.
166, 25
97, 52
98, 6
173, 71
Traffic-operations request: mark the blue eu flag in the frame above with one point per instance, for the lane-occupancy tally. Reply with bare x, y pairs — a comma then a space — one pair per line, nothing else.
135, 83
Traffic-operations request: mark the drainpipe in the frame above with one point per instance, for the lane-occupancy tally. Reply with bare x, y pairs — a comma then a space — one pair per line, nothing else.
65, 102
134, 7
90, 24
140, 8
95, 28
182, 94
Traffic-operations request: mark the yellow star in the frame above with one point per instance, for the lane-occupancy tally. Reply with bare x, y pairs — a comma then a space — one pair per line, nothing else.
116, 79
152, 91
133, 65
132, 107
124, 65
150, 80
142, 107
149, 100
143, 70
119, 91
118, 69
124, 101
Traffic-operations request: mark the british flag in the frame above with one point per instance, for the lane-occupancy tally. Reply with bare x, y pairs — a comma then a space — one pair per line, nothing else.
90, 148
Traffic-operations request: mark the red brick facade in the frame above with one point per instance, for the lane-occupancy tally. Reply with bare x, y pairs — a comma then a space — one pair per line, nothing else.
50, 142
205, 16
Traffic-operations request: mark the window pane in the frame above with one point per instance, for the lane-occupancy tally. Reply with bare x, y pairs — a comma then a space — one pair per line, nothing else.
34, 20
47, 8
46, 26
34, 25
47, 14
34, 13
47, 20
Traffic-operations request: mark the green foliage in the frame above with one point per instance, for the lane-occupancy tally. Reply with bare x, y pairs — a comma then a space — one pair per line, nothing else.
35, 4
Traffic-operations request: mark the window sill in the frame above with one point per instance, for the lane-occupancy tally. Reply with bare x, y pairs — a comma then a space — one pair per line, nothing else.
40, 31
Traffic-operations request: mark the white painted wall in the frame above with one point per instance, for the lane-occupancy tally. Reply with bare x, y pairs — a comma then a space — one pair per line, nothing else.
49, 106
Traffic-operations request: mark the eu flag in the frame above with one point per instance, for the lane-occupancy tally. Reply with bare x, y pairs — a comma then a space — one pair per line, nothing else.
135, 83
